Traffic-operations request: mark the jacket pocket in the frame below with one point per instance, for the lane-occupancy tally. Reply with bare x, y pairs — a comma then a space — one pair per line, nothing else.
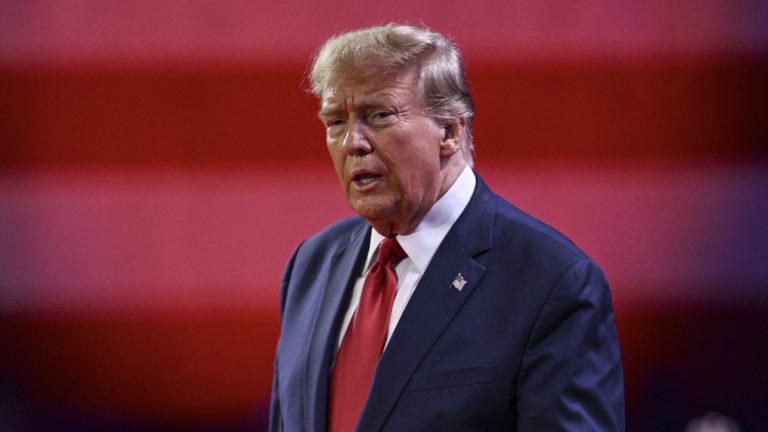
426, 380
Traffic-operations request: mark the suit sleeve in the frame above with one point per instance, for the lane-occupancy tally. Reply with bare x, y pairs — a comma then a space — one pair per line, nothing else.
275, 416
571, 377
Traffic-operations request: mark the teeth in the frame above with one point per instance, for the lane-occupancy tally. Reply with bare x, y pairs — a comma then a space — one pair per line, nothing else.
366, 180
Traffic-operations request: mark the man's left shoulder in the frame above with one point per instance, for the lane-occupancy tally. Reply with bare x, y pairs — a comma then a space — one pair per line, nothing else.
515, 227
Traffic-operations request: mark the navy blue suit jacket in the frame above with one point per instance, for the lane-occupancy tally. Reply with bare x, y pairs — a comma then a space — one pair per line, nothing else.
529, 344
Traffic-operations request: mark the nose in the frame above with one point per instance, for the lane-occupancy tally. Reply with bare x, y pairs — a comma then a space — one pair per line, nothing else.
356, 140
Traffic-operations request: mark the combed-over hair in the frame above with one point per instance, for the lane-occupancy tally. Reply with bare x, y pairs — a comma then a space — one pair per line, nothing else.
379, 53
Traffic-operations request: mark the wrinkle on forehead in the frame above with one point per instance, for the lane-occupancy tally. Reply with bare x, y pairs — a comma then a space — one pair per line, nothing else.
343, 93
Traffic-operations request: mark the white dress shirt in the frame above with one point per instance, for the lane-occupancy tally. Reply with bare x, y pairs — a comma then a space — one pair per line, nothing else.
420, 246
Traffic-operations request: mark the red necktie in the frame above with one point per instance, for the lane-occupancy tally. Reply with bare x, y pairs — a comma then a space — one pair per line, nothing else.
363, 341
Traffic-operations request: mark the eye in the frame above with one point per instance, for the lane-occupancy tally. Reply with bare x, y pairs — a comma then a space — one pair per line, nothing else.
334, 127
381, 117
335, 122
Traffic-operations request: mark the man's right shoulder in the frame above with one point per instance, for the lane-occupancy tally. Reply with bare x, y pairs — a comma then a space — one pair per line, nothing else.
337, 235
314, 257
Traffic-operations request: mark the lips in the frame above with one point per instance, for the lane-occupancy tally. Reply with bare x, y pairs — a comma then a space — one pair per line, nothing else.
366, 179
363, 178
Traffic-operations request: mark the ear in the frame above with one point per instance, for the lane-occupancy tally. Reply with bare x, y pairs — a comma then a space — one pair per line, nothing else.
453, 137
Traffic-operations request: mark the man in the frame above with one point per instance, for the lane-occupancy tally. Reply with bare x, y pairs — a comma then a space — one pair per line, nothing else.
441, 307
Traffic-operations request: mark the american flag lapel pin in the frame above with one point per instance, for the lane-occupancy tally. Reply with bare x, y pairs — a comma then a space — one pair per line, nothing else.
459, 282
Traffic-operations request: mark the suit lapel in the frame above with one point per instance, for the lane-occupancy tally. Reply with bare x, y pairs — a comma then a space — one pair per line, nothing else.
335, 290
432, 306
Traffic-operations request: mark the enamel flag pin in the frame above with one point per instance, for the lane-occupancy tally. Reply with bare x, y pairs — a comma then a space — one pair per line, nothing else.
459, 282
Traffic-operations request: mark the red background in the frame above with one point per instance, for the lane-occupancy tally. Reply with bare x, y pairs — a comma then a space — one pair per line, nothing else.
160, 161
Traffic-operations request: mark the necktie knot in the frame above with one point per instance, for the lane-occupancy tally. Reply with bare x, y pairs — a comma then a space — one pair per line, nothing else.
390, 252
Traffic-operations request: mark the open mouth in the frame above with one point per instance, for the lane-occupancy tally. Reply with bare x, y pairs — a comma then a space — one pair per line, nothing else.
364, 179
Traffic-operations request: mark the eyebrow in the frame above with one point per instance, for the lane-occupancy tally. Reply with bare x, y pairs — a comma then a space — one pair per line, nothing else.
367, 102
329, 112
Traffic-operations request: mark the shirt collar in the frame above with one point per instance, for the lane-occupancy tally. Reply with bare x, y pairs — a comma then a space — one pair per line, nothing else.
422, 243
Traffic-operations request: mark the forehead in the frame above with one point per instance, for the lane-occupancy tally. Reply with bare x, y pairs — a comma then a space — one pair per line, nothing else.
399, 89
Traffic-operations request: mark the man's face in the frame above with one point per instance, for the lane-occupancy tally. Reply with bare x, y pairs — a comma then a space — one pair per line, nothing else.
387, 152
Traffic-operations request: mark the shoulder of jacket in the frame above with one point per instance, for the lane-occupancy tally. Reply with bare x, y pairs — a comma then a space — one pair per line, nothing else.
529, 230
338, 234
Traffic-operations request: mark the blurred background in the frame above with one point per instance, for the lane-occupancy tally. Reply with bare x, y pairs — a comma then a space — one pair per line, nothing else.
159, 161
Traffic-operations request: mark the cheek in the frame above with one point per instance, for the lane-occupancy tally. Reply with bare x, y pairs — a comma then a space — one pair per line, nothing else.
423, 171
335, 152
416, 174
337, 160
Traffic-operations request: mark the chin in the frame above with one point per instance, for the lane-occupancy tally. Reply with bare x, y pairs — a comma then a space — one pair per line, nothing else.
381, 221
372, 207
371, 215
